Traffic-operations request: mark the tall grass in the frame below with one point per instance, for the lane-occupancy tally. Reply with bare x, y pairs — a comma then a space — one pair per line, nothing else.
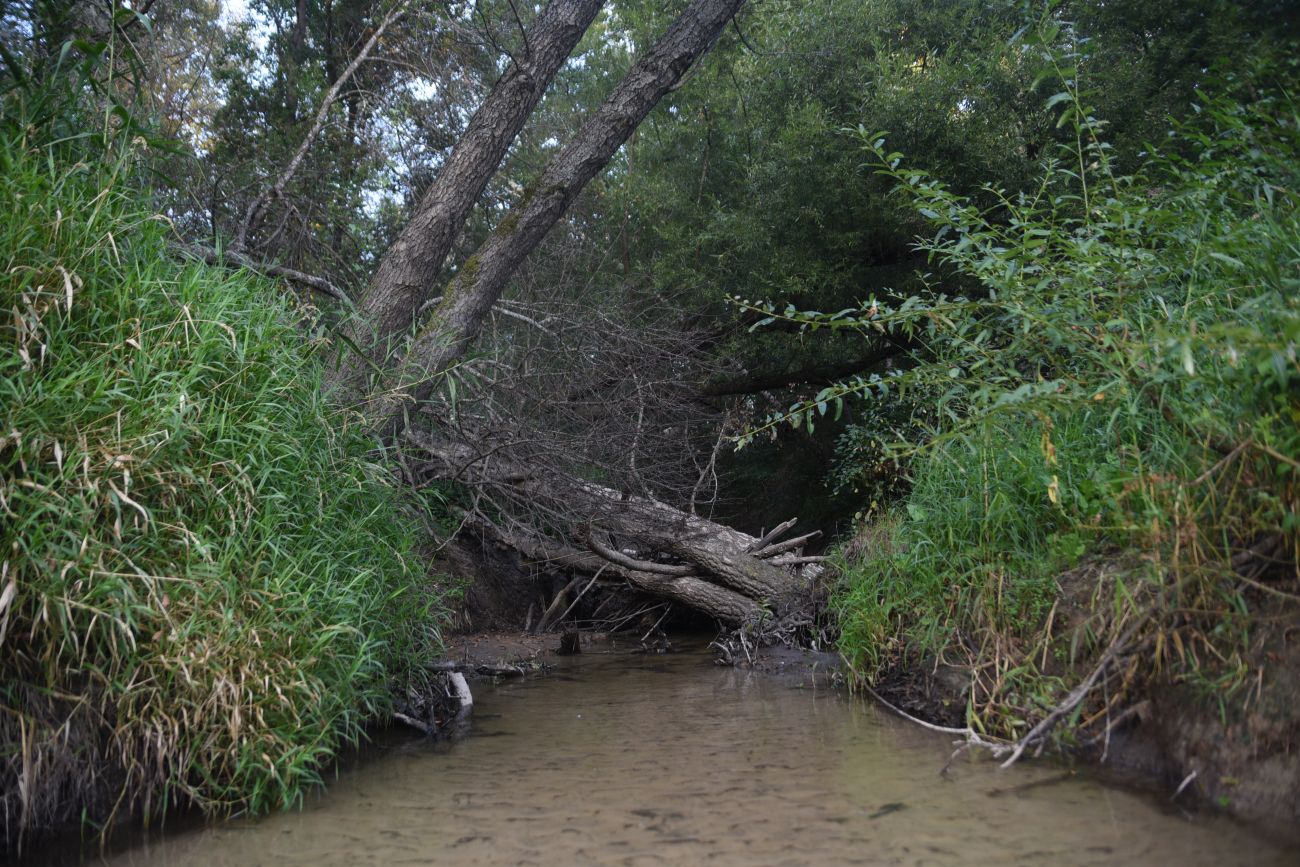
206, 583
1111, 426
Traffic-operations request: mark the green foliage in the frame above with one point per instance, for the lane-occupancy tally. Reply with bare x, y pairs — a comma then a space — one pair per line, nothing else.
1119, 382
745, 184
207, 582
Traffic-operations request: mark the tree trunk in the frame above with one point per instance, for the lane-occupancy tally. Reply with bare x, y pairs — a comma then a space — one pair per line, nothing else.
732, 580
693, 591
407, 272
484, 276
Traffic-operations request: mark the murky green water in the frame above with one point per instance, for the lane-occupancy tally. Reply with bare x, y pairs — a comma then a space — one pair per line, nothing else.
625, 759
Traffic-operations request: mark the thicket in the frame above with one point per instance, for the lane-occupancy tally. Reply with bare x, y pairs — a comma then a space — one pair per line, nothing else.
1104, 450
207, 579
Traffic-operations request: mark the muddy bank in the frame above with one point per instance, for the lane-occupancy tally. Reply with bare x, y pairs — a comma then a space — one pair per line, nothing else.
534, 653
1199, 752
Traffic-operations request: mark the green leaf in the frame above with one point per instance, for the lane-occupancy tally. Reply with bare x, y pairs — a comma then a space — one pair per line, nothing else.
1058, 98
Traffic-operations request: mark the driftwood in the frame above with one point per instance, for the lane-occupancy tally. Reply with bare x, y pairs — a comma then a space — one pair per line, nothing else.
679, 556
461, 690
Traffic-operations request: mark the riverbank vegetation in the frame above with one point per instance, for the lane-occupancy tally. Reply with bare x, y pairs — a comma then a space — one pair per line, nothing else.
1104, 437
210, 582
310, 301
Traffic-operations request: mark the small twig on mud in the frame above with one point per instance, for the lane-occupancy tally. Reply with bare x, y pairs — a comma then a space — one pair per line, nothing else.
1076, 695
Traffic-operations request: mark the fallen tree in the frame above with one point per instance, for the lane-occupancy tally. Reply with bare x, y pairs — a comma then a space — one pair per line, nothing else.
479, 284
598, 530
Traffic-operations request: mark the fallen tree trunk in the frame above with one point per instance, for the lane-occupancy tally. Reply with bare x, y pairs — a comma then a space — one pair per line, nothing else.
722, 573
693, 591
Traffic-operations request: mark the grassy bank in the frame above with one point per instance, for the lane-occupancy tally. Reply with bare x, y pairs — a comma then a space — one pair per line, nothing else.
208, 582
1109, 445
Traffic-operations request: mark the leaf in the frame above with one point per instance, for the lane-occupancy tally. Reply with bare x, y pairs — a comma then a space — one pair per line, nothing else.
1236, 264
1058, 98
916, 512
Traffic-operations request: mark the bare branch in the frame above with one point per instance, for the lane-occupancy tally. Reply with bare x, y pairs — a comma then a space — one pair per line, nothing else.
233, 257
772, 534
788, 545
618, 558
276, 191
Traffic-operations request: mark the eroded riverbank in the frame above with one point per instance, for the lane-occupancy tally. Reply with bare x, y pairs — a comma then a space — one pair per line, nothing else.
622, 758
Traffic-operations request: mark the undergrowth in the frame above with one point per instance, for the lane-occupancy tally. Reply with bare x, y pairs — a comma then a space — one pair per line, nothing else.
1106, 467
207, 582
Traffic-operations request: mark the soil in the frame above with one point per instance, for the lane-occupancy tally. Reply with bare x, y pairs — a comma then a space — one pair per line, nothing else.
1241, 757
529, 650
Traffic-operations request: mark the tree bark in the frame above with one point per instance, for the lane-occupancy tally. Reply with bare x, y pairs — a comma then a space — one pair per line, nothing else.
483, 278
730, 581
407, 272
693, 591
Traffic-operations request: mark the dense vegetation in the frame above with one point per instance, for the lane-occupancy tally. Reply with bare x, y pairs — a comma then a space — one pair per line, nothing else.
1000, 296
1109, 440
209, 584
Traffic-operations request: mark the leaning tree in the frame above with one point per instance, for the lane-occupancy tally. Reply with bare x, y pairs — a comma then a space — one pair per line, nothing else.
401, 342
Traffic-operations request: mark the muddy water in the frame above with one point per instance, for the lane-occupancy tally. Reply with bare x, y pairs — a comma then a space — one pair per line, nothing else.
626, 759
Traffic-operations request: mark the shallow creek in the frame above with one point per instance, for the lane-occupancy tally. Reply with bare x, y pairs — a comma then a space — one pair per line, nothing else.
617, 758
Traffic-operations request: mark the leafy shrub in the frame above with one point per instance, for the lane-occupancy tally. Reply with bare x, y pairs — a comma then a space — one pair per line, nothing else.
1121, 382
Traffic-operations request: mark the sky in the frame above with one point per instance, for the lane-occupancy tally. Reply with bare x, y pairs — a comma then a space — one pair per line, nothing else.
233, 10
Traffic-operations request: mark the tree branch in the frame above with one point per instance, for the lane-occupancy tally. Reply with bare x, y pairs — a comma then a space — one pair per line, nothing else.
753, 382
277, 189
234, 257
618, 558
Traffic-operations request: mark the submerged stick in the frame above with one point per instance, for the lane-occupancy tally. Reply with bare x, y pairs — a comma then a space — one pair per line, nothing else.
463, 695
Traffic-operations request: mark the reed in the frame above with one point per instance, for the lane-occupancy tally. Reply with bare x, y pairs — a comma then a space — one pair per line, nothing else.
207, 580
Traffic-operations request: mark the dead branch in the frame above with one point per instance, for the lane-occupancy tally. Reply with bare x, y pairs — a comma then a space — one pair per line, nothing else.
234, 257
772, 534
276, 191
1117, 648
788, 545
621, 559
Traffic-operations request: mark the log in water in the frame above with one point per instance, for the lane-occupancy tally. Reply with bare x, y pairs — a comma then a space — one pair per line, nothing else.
631, 759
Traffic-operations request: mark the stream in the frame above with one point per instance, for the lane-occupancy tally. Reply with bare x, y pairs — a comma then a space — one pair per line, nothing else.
627, 759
